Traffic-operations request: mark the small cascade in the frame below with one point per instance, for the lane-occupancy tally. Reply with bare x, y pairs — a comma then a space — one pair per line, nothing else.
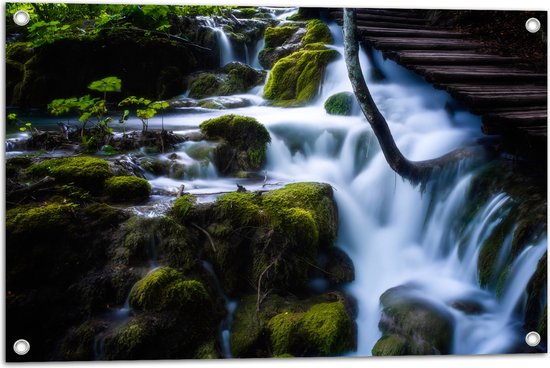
224, 43
230, 307
255, 57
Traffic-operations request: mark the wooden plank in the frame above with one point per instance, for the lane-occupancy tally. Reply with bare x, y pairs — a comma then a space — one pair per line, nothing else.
478, 74
393, 12
482, 110
393, 43
391, 19
464, 87
444, 57
408, 33
504, 100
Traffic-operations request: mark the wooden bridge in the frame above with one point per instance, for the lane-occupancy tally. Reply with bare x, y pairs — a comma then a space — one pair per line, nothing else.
507, 92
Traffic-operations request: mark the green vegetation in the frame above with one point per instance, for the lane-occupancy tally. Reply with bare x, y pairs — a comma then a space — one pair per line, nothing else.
241, 133
205, 85
391, 345
295, 79
165, 288
277, 36
182, 206
340, 104
48, 218
282, 330
87, 172
411, 325
317, 31
127, 189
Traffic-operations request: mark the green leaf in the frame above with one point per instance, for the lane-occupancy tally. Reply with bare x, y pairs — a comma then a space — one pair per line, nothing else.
107, 84
22, 129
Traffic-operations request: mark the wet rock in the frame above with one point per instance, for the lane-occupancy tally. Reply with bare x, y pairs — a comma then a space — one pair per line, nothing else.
233, 78
340, 104
295, 79
412, 325
244, 143
223, 103
127, 189
273, 239
468, 306
183, 102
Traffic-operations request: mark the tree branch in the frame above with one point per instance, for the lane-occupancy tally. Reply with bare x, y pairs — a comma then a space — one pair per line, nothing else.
414, 171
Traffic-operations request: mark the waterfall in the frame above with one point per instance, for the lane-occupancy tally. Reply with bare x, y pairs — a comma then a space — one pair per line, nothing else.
255, 61
224, 43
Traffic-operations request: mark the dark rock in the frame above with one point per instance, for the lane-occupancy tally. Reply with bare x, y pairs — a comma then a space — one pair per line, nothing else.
418, 326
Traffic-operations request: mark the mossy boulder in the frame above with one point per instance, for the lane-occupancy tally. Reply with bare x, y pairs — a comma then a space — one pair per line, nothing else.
245, 142
412, 325
87, 172
127, 189
166, 288
390, 345
274, 239
50, 218
317, 198
340, 104
161, 239
233, 78
205, 85
277, 36
295, 79
325, 329
317, 32
182, 206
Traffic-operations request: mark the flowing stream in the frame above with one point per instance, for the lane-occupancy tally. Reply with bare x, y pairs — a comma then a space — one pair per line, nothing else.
395, 233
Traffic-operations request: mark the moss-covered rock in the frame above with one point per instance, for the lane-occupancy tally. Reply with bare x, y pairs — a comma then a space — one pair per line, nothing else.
165, 288
78, 344
314, 197
161, 239
246, 142
127, 189
283, 333
233, 78
205, 85
87, 172
422, 327
277, 36
183, 205
327, 329
295, 79
49, 218
340, 104
390, 345
317, 32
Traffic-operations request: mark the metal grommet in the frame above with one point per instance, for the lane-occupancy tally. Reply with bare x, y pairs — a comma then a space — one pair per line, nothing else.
21, 347
21, 18
532, 25
532, 338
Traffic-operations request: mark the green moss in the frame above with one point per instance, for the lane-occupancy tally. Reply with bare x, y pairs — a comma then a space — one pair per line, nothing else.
242, 133
340, 104
327, 329
130, 337
240, 207
165, 288
313, 197
205, 85
282, 330
182, 206
284, 356
277, 36
19, 51
317, 31
391, 345
295, 79
207, 351
75, 194
45, 219
239, 131
426, 328
78, 344
87, 172
127, 189
249, 334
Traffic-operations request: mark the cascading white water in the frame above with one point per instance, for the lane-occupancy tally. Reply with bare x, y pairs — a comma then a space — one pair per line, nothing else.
394, 233
224, 43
